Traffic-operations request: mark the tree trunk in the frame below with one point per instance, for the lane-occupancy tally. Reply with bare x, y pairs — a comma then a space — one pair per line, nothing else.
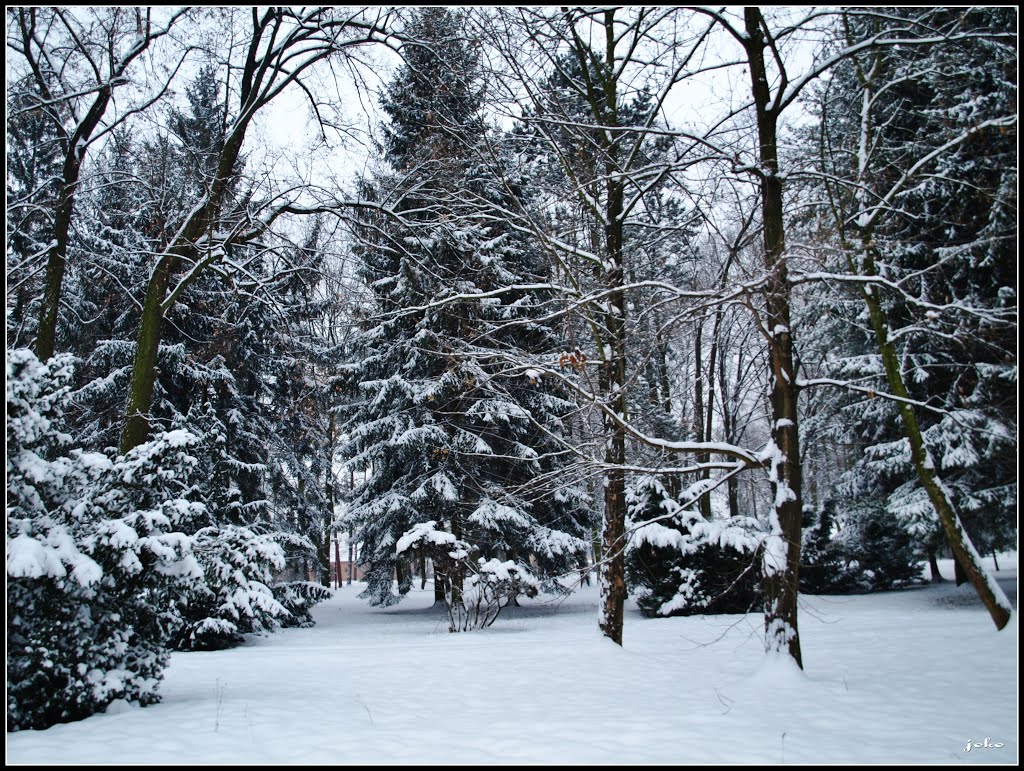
401, 570
157, 303
782, 548
729, 430
933, 566
613, 386
704, 502
966, 559
328, 520
56, 260
705, 474
438, 587
324, 552
147, 346
337, 563
959, 574
666, 391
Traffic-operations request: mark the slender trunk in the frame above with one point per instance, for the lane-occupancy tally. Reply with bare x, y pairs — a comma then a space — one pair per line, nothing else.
438, 586
613, 385
56, 260
337, 563
933, 566
705, 474
704, 502
666, 392
455, 576
782, 549
328, 520
400, 575
959, 574
965, 557
351, 558
324, 552
613, 581
698, 386
728, 428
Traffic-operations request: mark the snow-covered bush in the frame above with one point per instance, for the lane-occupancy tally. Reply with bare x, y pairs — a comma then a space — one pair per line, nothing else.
239, 595
867, 551
679, 564
475, 589
823, 566
97, 560
236, 596
490, 586
298, 597
240, 542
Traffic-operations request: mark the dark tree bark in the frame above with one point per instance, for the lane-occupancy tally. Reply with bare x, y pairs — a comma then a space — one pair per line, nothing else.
283, 44
782, 555
74, 141
933, 566
337, 563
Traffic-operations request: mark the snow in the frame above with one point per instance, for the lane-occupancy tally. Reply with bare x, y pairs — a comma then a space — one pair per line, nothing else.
424, 532
896, 678
28, 558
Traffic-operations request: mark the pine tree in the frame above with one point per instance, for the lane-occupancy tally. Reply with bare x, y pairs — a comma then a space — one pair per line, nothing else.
33, 187
231, 372
680, 563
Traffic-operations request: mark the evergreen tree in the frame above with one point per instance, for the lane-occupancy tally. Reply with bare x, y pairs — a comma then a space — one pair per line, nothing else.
231, 372
33, 188
944, 243
440, 431
98, 559
680, 563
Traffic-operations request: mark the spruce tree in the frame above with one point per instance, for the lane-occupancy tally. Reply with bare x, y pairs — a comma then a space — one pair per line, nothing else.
439, 430
945, 243
233, 369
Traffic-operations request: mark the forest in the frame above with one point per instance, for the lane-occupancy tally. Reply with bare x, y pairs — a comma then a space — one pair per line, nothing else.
712, 308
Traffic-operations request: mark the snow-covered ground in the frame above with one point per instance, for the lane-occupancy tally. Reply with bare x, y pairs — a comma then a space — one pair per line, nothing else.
902, 677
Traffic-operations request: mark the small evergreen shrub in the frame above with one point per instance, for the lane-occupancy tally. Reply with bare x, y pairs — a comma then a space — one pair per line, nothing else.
96, 558
680, 564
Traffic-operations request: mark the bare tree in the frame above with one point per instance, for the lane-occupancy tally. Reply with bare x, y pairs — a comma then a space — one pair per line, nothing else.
280, 46
69, 64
